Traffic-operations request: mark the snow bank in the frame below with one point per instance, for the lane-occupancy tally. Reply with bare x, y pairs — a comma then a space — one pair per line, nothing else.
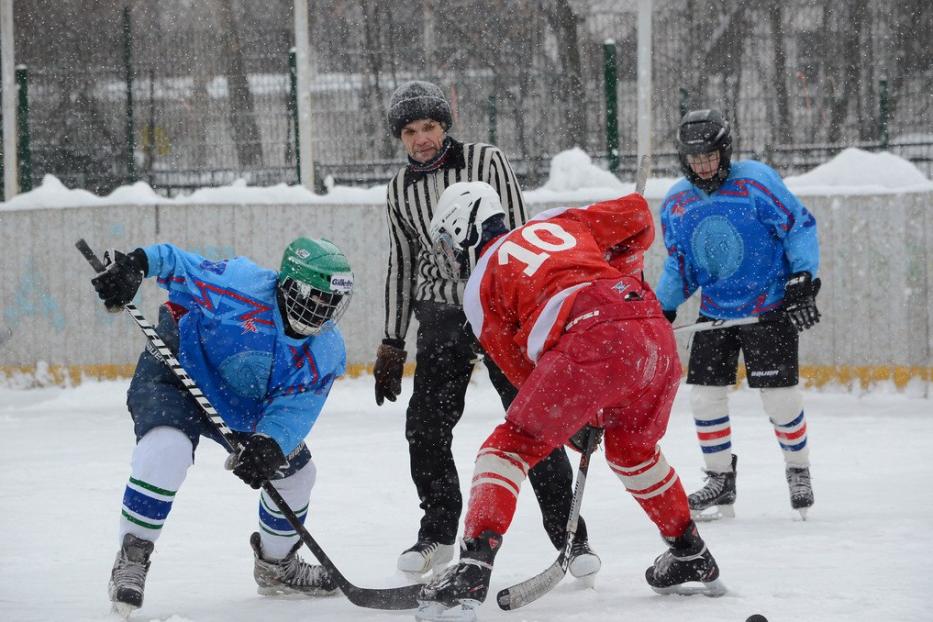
861, 172
573, 178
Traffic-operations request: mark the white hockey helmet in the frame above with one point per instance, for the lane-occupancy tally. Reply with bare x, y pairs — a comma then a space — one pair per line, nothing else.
457, 227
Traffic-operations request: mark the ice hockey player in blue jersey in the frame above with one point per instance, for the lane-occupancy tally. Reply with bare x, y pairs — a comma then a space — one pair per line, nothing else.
735, 232
264, 348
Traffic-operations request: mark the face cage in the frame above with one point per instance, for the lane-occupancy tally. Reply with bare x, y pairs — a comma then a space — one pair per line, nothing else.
307, 308
451, 260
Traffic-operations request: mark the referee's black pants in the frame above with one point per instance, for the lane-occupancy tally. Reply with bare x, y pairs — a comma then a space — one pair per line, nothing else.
446, 352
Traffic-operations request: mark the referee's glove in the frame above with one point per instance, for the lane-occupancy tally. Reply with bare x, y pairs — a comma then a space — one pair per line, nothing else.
390, 364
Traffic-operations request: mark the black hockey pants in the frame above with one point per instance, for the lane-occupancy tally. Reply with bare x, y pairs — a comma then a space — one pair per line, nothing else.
446, 352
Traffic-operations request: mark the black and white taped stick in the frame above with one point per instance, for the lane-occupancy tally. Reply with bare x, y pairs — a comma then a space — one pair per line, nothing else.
537, 586
715, 324
389, 598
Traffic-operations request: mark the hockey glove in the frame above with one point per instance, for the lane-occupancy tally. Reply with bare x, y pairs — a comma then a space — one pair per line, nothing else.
118, 283
577, 442
259, 460
800, 300
390, 364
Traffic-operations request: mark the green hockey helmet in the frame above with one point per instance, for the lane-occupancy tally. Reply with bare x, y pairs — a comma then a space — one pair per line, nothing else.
316, 284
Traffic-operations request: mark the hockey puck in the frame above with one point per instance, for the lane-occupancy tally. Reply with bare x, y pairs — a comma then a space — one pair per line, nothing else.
756, 617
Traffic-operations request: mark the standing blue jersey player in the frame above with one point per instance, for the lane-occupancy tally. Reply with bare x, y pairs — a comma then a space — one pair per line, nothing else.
264, 348
735, 232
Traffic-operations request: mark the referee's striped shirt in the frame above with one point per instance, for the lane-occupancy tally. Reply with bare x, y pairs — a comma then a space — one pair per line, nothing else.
413, 272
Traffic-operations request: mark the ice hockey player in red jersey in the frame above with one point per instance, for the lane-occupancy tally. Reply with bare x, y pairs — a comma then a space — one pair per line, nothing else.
561, 306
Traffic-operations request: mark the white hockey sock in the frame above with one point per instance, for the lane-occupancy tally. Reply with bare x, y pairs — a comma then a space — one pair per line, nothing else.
710, 407
785, 408
275, 532
160, 463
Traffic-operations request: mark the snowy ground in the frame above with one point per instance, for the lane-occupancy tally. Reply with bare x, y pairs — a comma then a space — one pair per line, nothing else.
865, 553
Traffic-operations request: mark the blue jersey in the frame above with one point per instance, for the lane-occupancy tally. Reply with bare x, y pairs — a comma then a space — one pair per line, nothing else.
232, 342
737, 245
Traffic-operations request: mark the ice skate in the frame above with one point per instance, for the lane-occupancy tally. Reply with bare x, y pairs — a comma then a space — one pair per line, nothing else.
717, 497
425, 556
289, 575
128, 577
584, 562
801, 491
686, 568
455, 594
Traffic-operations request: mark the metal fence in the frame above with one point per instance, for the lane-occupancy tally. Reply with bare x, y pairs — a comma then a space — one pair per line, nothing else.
202, 109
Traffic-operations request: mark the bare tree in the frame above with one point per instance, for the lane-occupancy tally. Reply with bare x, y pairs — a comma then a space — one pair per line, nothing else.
782, 131
242, 111
570, 89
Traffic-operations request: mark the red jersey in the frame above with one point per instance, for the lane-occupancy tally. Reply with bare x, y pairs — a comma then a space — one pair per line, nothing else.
521, 292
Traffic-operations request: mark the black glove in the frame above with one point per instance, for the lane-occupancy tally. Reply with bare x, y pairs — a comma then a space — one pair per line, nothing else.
259, 459
577, 442
117, 285
390, 364
670, 315
800, 300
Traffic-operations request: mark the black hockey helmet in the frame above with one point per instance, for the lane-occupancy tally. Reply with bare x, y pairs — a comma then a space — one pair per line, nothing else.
705, 131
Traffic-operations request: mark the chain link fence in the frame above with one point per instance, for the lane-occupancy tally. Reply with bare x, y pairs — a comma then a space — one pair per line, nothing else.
205, 106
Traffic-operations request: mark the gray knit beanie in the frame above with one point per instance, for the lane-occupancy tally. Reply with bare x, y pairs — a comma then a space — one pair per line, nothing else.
417, 100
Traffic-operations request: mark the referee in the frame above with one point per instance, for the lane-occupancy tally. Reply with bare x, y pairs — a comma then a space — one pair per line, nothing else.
419, 115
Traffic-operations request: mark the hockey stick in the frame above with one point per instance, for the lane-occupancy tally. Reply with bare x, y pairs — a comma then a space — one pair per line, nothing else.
713, 325
641, 175
537, 586
389, 598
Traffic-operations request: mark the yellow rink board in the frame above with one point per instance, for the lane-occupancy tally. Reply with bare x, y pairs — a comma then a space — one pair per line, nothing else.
813, 376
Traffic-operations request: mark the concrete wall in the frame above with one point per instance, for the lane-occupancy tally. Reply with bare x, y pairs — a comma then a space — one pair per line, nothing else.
877, 297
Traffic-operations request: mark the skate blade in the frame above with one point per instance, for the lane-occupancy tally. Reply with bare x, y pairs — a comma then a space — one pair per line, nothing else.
713, 589
587, 582
429, 611
713, 513
803, 513
123, 610
287, 593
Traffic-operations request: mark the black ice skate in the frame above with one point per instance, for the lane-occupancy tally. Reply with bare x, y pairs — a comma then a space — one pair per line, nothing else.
718, 493
686, 568
455, 594
289, 575
128, 577
584, 562
425, 556
801, 491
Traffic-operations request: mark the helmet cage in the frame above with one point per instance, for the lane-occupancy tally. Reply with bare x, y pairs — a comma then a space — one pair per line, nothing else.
308, 308
451, 259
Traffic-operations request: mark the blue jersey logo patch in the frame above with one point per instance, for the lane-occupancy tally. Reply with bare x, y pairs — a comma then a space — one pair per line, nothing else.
717, 247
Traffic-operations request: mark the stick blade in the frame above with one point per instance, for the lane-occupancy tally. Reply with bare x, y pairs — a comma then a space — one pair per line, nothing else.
531, 589
390, 599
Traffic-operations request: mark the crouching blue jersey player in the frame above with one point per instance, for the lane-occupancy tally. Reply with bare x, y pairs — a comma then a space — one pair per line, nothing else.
735, 232
264, 348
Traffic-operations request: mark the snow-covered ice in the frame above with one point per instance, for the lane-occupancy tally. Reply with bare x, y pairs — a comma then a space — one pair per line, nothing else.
864, 553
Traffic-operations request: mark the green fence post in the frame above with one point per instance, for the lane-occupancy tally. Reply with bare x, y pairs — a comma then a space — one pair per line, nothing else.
23, 153
684, 101
293, 104
493, 120
883, 113
128, 67
612, 103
